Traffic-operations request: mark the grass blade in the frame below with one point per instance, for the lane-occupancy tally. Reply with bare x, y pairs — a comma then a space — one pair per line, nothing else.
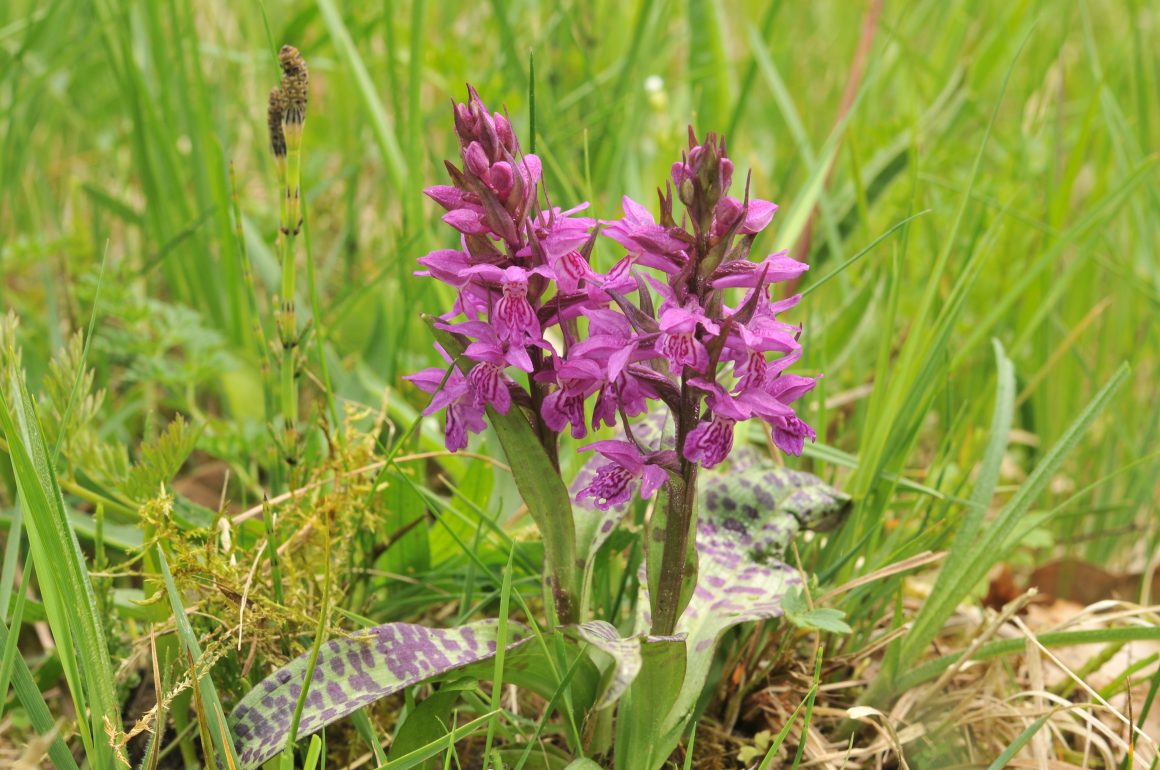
990, 547
71, 606
213, 714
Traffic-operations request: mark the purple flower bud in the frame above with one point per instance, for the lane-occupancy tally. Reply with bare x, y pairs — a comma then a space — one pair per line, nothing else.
743, 273
503, 129
466, 221
790, 387
725, 170
488, 136
475, 161
464, 124
446, 196
501, 178
446, 265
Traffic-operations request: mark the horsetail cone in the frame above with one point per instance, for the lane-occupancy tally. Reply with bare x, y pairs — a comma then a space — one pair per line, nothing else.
274, 111
291, 103
295, 85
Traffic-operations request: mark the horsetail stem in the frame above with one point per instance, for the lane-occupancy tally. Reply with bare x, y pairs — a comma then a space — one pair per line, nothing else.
286, 116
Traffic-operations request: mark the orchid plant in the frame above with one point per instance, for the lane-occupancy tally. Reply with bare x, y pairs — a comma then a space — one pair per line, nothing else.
672, 348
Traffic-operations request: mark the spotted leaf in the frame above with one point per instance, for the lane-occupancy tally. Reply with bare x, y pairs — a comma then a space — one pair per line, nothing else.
352, 673
623, 653
748, 517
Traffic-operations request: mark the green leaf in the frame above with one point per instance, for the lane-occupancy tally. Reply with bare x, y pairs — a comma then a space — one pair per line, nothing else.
213, 715
541, 488
405, 521
624, 654
582, 764
33, 701
385, 139
417, 757
429, 722
750, 514
70, 603
798, 612
161, 459
643, 729
962, 573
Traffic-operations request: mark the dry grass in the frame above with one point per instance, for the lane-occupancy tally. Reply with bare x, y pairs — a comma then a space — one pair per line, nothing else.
977, 709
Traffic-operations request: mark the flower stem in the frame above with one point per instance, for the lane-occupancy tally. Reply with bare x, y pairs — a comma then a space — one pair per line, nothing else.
548, 438
676, 575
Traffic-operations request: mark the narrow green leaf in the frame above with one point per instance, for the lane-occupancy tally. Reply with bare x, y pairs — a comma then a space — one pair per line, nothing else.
1019, 742
431, 749
223, 741
988, 478
69, 601
33, 701
989, 547
932, 669
541, 488
385, 138
8, 656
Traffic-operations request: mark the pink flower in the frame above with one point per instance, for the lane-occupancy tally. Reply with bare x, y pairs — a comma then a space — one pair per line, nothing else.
679, 343
615, 480
464, 408
639, 233
758, 215
577, 380
790, 433
711, 440
524, 269
514, 318
741, 272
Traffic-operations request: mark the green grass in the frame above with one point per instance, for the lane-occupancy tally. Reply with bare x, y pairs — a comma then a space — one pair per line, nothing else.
984, 260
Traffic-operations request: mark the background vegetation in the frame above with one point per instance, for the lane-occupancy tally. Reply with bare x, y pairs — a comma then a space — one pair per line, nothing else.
138, 216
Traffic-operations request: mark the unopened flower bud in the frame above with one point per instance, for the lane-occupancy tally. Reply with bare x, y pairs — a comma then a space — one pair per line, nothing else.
726, 175
503, 129
476, 162
488, 136
502, 178
464, 124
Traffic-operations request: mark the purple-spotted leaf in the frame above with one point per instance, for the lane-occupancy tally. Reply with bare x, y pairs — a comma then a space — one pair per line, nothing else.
747, 520
352, 673
624, 653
